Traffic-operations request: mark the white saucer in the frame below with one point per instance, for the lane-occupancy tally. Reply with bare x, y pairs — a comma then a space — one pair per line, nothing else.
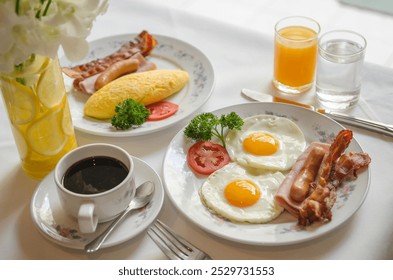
62, 229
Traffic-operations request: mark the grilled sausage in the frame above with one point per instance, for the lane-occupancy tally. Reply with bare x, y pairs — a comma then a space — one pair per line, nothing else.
116, 70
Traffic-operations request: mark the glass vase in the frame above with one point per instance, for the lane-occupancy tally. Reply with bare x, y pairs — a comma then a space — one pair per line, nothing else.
37, 106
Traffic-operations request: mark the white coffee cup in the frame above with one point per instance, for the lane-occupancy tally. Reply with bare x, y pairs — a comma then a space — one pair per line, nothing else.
91, 209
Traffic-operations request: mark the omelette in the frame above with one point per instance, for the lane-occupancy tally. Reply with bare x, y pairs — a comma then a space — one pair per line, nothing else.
144, 87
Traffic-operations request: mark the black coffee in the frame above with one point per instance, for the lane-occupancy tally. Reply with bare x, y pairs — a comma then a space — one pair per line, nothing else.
94, 175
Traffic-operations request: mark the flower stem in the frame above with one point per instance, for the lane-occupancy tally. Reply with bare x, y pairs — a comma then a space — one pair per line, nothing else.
47, 7
17, 7
38, 13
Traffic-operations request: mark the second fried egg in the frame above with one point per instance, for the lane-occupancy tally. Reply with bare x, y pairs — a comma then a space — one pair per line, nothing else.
267, 142
242, 194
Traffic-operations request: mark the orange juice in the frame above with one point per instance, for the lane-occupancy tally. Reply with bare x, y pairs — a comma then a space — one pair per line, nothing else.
295, 57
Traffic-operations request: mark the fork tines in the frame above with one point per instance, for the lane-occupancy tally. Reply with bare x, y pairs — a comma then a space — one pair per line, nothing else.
174, 246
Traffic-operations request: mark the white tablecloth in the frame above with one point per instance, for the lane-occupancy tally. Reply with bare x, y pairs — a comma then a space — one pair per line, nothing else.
241, 57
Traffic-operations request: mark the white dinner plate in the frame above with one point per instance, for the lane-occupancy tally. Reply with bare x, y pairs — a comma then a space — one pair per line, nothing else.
169, 53
182, 185
61, 229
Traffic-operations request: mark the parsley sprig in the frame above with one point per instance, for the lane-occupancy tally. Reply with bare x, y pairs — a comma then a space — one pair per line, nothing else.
129, 113
206, 125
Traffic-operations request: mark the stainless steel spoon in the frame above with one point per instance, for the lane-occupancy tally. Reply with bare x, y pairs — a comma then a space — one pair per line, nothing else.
143, 195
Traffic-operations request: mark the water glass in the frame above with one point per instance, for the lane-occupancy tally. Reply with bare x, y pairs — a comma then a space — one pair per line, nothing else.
339, 73
295, 54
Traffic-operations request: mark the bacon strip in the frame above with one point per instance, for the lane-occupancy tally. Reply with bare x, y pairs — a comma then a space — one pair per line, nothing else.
337, 148
348, 167
335, 168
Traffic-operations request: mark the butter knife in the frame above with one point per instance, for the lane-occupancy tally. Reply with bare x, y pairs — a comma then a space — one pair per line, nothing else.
374, 126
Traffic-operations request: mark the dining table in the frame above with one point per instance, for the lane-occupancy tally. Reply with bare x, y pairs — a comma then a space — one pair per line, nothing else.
241, 52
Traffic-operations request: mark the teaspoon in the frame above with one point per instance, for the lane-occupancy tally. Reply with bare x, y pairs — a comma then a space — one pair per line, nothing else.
143, 195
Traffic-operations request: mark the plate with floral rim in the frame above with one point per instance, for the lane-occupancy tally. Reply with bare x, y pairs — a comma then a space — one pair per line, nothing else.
169, 53
182, 185
58, 227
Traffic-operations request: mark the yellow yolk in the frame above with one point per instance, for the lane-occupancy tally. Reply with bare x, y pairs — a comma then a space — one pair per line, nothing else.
242, 193
261, 144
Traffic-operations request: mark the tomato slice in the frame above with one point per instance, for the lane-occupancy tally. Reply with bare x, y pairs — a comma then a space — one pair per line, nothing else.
205, 157
161, 110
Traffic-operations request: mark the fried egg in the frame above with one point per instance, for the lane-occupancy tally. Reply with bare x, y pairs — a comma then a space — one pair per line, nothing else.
267, 142
242, 194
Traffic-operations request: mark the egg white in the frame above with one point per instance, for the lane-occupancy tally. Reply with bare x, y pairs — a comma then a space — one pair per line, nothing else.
291, 142
264, 210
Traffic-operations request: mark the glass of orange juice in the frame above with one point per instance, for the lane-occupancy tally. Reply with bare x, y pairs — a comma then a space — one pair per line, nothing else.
295, 54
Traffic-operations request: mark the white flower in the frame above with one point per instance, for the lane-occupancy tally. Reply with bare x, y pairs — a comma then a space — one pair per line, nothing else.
42, 26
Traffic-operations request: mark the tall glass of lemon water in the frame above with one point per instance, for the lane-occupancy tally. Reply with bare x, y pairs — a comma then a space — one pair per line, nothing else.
295, 54
36, 102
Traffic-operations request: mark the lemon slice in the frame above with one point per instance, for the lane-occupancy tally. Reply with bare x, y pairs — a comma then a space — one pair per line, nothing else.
31, 67
24, 105
46, 136
40, 62
50, 86
67, 120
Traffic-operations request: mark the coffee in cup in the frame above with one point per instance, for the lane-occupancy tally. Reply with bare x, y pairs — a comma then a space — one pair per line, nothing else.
95, 183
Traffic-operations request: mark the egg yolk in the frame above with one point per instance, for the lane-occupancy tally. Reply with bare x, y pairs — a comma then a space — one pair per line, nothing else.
242, 193
261, 144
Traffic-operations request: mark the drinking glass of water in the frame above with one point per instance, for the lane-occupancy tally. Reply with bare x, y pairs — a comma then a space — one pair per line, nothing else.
339, 69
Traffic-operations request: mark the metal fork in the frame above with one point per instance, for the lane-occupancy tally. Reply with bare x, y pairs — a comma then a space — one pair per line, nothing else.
174, 246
